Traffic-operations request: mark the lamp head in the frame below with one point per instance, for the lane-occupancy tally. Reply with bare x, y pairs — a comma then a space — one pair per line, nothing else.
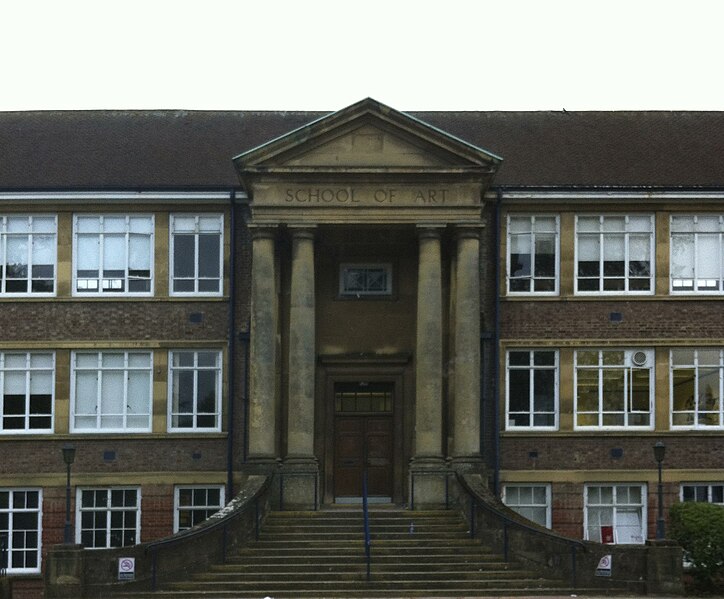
659, 451
68, 454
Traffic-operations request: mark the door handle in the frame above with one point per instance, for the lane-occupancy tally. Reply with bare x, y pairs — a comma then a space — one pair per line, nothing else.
349, 462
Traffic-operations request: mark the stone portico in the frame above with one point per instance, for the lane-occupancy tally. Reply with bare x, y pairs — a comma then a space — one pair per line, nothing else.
344, 383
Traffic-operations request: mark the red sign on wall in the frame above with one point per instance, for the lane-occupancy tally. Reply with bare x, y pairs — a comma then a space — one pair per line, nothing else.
607, 534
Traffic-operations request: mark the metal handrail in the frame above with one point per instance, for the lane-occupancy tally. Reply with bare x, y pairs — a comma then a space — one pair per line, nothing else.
3, 554
505, 520
366, 515
216, 521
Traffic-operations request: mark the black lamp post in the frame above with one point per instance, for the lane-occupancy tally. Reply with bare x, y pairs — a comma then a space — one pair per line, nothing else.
659, 452
68, 458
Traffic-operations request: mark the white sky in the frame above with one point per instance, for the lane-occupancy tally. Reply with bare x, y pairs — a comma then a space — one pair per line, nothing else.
325, 54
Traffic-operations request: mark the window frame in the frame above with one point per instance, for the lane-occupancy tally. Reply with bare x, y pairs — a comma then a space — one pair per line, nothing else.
99, 369
29, 255
101, 248
532, 368
28, 370
616, 507
177, 508
11, 511
195, 369
602, 367
532, 278
696, 425
626, 233
708, 486
108, 510
196, 233
547, 506
365, 294
696, 235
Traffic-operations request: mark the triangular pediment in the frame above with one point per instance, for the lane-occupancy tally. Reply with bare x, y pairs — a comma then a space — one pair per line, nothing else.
366, 137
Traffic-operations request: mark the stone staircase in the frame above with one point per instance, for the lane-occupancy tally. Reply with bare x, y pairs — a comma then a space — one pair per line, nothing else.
321, 554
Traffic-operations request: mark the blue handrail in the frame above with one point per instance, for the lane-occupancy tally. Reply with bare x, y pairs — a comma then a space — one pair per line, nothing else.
366, 514
3, 554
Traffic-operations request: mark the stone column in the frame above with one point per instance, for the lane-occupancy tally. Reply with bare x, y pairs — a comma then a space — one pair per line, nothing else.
302, 354
426, 486
263, 350
466, 426
300, 469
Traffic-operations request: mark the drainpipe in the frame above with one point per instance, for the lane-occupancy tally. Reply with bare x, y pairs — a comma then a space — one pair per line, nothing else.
232, 348
496, 348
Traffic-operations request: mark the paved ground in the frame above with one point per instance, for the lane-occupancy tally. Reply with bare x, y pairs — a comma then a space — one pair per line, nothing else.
540, 597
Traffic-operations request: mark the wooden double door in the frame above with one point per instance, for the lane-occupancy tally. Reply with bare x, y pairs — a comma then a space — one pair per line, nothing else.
363, 440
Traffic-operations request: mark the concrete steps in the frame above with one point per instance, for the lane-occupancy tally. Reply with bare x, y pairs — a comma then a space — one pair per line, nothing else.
321, 554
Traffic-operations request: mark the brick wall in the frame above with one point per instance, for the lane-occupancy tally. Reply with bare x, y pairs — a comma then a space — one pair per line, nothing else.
594, 452
136, 454
113, 321
581, 319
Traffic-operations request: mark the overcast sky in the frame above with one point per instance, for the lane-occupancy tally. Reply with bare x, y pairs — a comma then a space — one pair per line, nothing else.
324, 54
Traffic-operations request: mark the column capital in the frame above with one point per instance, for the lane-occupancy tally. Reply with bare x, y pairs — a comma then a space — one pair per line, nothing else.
263, 231
431, 231
468, 231
302, 231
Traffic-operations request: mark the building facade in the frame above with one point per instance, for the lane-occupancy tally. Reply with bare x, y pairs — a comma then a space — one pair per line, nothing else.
536, 296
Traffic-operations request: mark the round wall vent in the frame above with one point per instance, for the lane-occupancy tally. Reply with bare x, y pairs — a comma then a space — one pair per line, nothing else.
639, 358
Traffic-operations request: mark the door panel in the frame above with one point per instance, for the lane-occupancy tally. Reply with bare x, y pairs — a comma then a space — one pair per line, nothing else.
348, 456
378, 441
363, 442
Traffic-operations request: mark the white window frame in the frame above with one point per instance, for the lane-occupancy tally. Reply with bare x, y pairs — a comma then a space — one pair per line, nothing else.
532, 233
196, 233
178, 508
11, 543
532, 368
709, 493
126, 277
29, 369
99, 369
627, 235
696, 398
618, 509
195, 369
345, 266
629, 367
29, 235
108, 510
693, 282
521, 508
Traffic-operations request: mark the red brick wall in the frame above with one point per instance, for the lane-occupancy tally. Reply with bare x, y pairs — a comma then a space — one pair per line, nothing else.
579, 319
593, 452
100, 320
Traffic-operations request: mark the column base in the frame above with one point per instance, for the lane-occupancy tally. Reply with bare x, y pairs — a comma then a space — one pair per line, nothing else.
262, 465
429, 483
299, 483
467, 463
64, 572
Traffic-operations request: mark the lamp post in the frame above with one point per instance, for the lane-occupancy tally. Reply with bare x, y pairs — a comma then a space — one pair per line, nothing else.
68, 458
659, 452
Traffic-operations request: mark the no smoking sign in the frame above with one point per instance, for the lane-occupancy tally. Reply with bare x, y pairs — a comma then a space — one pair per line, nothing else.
126, 568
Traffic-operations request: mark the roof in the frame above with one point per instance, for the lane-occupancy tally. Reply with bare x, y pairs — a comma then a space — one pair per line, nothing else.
178, 149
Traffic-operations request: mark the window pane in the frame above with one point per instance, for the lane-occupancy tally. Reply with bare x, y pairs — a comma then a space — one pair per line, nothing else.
183, 256
140, 254
545, 262
114, 252
682, 256
544, 391
209, 247
519, 389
